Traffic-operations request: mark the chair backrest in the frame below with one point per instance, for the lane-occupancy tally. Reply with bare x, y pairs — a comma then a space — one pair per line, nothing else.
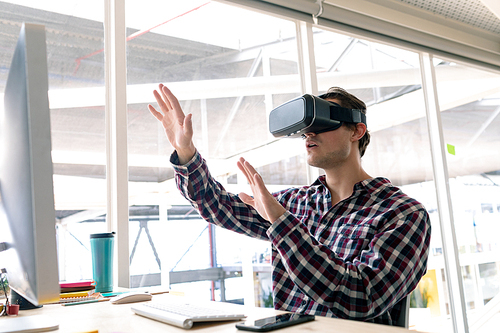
404, 316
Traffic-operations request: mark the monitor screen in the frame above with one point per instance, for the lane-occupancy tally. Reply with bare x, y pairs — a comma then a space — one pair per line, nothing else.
27, 215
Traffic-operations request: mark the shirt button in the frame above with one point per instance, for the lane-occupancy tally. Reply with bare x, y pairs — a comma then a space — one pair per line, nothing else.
304, 302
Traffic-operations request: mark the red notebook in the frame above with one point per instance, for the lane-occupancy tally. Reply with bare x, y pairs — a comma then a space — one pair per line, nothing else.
88, 283
67, 287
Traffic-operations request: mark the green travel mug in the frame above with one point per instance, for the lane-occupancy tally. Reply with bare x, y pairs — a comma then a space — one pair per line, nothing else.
101, 247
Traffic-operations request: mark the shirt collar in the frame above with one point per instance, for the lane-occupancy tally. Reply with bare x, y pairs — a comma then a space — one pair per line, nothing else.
370, 185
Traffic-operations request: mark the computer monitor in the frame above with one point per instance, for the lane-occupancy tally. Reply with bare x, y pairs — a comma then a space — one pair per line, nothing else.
27, 215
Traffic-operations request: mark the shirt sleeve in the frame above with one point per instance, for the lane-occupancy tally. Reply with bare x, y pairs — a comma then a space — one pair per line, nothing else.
371, 283
213, 202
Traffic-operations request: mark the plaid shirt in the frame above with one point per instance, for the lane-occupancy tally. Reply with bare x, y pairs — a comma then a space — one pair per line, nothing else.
356, 259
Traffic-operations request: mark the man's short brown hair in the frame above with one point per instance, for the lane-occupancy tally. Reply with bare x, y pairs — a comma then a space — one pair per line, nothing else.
350, 101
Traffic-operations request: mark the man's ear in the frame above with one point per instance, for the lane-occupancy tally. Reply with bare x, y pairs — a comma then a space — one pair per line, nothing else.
359, 132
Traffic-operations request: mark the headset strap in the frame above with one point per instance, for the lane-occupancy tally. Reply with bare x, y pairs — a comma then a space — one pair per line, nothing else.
346, 115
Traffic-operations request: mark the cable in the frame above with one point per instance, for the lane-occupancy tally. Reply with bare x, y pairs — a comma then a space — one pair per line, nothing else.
320, 11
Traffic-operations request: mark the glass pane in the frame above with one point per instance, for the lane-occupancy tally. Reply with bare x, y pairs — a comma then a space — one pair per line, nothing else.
74, 35
387, 79
229, 75
470, 106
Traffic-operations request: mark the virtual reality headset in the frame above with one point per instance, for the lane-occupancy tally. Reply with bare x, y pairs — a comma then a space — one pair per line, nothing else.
310, 114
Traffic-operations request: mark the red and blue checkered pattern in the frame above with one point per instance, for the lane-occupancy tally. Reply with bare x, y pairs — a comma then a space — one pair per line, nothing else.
356, 259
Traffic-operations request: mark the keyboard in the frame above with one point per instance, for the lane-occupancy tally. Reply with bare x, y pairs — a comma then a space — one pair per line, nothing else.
183, 314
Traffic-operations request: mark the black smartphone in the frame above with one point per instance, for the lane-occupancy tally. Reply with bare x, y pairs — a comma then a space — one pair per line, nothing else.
273, 323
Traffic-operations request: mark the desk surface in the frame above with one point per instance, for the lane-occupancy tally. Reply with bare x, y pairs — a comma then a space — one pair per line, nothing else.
107, 317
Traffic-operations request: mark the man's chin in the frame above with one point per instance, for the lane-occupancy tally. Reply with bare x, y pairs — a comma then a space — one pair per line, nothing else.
312, 162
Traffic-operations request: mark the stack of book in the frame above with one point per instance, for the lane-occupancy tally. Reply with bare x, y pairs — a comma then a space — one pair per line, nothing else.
78, 291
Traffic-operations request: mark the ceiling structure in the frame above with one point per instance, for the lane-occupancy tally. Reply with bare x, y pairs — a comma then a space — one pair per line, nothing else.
482, 14
173, 53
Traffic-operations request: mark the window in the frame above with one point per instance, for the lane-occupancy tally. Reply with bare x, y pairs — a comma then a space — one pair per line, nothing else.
399, 146
469, 113
74, 37
229, 76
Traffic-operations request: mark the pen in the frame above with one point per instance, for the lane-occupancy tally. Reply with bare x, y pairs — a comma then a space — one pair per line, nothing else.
85, 302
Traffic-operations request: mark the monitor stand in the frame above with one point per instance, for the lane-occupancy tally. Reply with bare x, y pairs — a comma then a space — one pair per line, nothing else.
24, 304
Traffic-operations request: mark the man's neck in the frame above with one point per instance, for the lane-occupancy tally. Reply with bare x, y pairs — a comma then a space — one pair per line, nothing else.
341, 180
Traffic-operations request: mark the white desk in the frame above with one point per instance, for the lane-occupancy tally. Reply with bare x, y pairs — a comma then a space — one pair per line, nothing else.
106, 317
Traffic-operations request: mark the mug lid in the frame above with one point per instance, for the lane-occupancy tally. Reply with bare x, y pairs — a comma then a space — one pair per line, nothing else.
103, 235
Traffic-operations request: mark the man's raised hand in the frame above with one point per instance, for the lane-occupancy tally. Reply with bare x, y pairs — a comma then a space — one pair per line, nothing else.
263, 201
178, 127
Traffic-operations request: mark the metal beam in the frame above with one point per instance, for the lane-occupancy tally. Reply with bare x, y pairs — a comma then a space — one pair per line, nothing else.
441, 178
276, 84
396, 23
237, 103
208, 274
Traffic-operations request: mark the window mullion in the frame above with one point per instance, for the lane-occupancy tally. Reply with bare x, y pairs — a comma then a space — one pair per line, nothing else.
448, 235
116, 134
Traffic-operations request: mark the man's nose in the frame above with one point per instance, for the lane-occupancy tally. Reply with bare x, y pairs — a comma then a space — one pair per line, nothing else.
308, 134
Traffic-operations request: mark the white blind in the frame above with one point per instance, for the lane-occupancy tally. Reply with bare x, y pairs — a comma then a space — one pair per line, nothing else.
393, 23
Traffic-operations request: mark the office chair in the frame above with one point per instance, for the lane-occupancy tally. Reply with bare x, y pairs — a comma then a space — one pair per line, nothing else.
404, 316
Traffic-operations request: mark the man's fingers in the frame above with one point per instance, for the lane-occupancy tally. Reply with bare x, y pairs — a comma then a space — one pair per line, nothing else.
246, 199
155, 113
161, 102
165, 96
250, 168
243, 169
188, 125
173, 102
251, 174
260, 183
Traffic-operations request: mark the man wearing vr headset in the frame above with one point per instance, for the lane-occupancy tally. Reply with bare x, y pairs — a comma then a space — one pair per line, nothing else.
347, 246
